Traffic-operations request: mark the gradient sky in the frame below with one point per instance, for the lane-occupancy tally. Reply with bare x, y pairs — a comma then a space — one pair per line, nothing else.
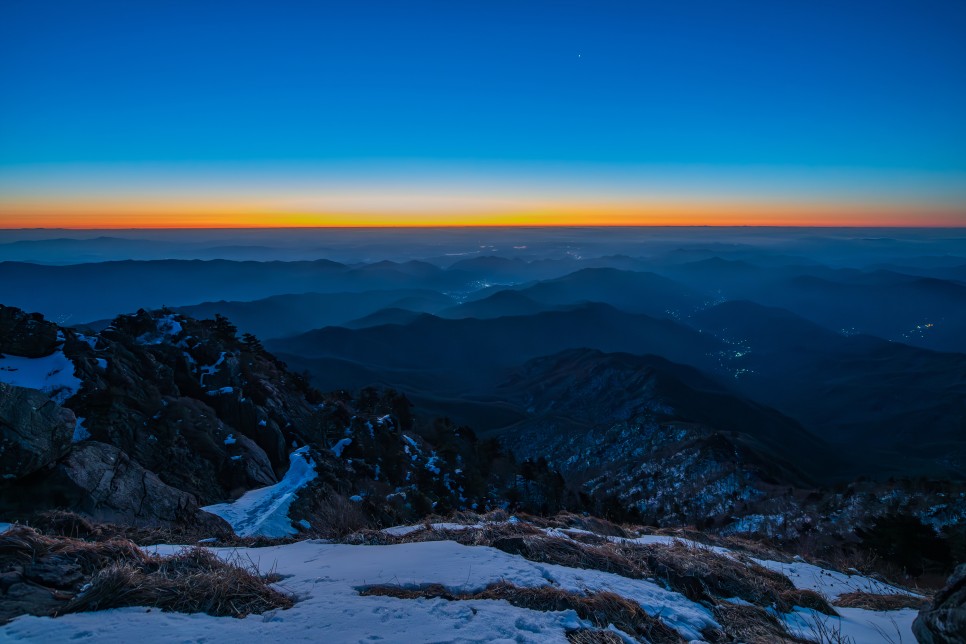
150, 113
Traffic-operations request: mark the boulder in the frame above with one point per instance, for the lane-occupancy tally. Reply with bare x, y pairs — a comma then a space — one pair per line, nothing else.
34, 431
104, 483
944, 621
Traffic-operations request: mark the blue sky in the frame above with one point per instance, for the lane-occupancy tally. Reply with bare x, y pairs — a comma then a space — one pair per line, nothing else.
813, 88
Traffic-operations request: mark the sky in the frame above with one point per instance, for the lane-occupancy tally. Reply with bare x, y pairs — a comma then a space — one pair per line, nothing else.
200, 114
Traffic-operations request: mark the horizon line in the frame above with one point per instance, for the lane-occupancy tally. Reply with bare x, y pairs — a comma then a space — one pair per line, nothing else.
482, 226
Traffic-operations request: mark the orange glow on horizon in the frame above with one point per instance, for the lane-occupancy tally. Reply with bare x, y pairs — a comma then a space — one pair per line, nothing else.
116, 215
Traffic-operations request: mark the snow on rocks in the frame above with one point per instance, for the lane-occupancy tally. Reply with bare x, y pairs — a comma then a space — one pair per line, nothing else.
211, 369
341, 445
264, 512
167, 326
53, 374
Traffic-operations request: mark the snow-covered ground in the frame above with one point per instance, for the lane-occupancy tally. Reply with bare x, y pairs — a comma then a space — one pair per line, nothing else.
264, 511
326, 579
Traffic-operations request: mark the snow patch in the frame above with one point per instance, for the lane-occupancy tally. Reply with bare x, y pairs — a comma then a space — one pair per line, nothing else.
341, 445
166, 327
264, 512
211, 369
53, 374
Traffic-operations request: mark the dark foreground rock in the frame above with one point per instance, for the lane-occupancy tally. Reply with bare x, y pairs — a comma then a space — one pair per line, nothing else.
106, 484
944, 621
34, 431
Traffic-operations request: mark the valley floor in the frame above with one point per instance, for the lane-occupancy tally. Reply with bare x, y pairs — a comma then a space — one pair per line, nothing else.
326, 579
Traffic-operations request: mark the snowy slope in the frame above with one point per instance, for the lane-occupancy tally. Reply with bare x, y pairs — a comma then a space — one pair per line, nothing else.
326, 578
264, 512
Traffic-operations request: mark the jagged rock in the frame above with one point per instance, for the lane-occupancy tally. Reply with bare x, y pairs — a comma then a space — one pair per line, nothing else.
34, 431
26, 334
103, 482
944, 621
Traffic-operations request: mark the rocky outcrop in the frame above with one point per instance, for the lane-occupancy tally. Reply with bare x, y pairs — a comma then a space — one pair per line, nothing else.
107, 485
178, 414
34, 431
26, 334
944, 621
181, 414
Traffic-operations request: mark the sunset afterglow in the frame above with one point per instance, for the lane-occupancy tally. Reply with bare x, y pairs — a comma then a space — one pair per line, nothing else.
326, 114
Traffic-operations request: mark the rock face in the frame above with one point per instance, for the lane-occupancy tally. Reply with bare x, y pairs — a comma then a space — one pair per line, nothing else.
177, 414
34, 431
106, 484
944, 621
26, 334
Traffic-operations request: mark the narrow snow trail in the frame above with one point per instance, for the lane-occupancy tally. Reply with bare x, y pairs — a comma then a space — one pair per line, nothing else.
264, 511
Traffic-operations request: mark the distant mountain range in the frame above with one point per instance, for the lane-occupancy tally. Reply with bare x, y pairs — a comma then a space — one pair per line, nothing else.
814, 358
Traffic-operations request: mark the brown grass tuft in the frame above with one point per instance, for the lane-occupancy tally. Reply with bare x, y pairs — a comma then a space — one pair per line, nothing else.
61, 523
696, 571
700, 574
563, 552
806, 599
331, 515
872, 601
751, 624
192, 581
118, 573
24, 545
602, 609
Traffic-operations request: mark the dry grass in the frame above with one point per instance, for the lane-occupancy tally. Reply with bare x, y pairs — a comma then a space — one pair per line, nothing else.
751, 624
696, 571
700, 574
482, 536
872, 601
118, 573
23, 545
605, 557
590, 523
61, 523
331, 515
593, 636
601, 609
192, 581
